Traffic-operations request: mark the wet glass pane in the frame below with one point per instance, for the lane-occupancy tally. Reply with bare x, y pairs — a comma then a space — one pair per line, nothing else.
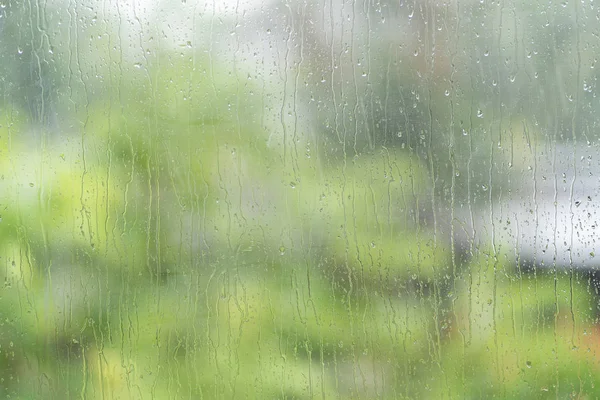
273, 199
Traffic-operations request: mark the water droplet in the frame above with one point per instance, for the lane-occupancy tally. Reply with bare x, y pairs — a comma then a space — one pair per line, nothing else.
479, 113
31, 184
447, 93
138, 65
293, 185
528, 363
282, 250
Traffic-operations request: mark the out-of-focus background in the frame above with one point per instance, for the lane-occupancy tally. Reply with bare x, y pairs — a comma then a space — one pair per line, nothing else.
295, 199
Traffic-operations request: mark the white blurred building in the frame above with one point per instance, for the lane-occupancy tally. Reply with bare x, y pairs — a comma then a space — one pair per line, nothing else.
551, 217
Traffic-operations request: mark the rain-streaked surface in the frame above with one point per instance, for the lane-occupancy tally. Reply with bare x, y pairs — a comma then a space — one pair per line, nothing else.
294, 200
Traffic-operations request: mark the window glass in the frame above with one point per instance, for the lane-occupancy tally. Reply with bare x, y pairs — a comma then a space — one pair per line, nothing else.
299, 199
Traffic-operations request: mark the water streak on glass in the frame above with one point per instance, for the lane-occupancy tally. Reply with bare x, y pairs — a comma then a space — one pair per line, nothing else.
291, 199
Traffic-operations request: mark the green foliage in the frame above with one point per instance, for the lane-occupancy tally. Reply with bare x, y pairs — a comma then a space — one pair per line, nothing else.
167, 248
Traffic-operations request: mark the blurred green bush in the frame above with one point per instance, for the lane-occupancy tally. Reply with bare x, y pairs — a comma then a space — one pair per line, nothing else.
167, 247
